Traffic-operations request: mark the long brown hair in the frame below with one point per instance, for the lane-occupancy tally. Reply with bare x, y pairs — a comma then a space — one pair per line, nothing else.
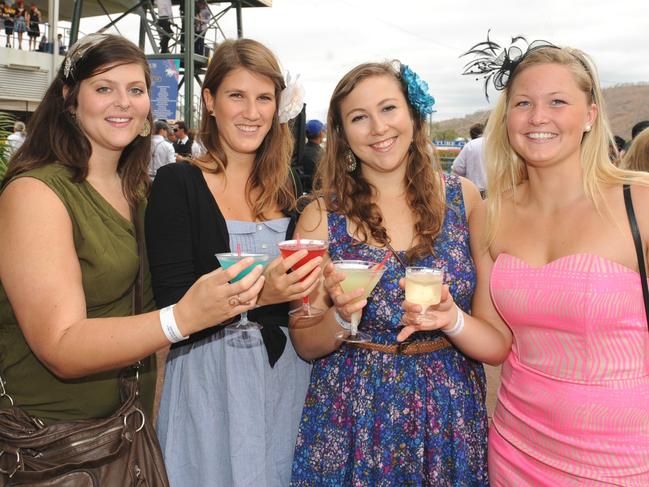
351, 194
270, 173
53, 136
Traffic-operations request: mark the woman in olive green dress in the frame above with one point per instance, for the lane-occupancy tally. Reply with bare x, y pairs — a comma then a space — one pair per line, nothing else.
70, 203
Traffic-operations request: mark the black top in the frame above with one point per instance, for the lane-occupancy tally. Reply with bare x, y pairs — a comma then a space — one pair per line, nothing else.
183, 149
184, 230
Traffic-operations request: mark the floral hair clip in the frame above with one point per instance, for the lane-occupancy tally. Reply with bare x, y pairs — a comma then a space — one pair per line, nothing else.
291, 99
78, 50
417, 89
498, 67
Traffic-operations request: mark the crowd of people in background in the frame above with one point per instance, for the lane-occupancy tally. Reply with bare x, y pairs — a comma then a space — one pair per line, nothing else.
172, 142
16, 21
529, 228
166, 25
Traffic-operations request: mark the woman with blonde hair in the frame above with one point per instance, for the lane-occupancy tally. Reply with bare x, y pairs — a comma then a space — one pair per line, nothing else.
637, 157
231, 402
555, 250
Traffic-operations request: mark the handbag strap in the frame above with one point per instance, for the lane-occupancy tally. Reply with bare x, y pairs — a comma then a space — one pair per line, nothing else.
637, 241
138, 295
138, 285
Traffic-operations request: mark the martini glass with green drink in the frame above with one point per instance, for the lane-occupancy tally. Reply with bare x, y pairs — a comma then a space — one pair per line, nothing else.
228, 259
358, 274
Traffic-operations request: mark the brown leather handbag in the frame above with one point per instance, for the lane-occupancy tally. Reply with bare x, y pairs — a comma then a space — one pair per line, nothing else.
121, 450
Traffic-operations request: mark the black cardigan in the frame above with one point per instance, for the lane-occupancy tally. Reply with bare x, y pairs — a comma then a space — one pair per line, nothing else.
184, 230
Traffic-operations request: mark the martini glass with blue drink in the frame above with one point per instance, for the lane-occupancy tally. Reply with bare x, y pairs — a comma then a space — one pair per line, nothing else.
228, 259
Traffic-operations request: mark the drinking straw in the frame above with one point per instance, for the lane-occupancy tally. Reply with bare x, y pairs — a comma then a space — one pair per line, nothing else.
238, 250
380, 265
297, 240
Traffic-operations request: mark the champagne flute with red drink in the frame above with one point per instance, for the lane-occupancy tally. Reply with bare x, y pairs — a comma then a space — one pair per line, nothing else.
314, 248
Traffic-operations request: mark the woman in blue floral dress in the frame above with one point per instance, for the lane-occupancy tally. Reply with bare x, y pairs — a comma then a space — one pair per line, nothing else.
390, 413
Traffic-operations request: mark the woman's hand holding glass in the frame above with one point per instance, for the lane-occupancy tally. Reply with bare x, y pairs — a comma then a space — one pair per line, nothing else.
212, 299
281, 286
435, 317
345, 303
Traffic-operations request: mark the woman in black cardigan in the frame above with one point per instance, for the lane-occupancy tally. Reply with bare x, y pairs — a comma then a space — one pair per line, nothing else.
230, 409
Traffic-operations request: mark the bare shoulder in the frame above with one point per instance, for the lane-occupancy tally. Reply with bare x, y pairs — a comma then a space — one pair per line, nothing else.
34, 216
640, 194
27, 196
313, 220
470, 194
640, 199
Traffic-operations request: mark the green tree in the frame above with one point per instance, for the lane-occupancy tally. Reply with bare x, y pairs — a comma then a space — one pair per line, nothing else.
438, 133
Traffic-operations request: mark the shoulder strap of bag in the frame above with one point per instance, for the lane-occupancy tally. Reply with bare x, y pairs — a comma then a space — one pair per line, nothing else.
637, 241
138, 285
138, 293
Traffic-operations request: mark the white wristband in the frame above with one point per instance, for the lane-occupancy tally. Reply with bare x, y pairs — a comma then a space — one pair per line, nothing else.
169, 325
347, 325
458, 326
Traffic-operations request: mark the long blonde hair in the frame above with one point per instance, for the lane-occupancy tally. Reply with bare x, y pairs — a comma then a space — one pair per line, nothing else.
350, 194
637, 157
270, 173
506, 169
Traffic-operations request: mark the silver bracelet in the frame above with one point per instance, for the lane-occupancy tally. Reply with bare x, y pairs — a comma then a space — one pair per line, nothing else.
457, 328
169, 325
347, 325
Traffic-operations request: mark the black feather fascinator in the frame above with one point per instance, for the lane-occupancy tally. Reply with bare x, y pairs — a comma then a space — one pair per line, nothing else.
495, 63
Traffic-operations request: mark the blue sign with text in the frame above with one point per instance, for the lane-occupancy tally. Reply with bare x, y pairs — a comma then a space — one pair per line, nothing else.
164, 88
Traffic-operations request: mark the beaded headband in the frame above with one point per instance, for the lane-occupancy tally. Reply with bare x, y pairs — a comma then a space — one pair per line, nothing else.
78, 50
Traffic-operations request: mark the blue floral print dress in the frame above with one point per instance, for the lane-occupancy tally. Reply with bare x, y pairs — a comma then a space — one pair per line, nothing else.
380, 419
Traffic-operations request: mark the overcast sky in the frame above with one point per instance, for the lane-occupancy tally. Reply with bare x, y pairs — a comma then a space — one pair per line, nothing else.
323, 39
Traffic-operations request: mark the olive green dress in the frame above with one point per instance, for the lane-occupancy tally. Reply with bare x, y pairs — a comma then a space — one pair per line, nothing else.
107, 249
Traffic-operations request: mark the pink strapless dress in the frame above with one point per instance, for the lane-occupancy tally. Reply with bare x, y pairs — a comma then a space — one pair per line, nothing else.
573, 406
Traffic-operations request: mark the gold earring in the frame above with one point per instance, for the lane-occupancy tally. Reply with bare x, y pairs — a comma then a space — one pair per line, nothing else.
146, 129
350, 160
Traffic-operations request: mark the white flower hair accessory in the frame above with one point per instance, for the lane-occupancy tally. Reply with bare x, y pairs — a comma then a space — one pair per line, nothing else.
291, 99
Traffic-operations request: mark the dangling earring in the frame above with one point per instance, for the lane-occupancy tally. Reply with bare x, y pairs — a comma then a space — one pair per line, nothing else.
146, 129
350, 160
587, 128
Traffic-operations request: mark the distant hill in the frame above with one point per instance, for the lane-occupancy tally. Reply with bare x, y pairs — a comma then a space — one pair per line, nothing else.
626, 105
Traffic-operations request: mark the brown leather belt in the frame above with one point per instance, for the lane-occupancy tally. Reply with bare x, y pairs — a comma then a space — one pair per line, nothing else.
406, 348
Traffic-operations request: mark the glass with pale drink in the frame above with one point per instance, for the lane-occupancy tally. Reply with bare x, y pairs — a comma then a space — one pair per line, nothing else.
424, 287
358, 274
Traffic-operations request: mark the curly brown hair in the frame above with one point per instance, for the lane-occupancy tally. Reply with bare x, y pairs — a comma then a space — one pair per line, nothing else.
273, 159
350, 194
